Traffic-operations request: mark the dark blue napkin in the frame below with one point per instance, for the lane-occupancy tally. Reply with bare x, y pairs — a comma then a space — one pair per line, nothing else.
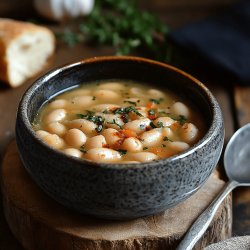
223, 40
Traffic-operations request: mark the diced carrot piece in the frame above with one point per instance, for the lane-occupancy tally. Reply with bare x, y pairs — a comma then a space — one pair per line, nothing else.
175, 126
129, 133
151, 105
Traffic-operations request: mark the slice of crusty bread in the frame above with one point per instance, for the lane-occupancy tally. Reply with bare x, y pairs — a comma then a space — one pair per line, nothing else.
24, 50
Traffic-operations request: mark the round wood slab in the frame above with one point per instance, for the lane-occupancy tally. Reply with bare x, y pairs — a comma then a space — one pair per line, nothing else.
39, 222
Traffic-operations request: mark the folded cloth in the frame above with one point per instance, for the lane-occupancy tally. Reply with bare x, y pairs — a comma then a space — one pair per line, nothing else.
223, 40
235, 243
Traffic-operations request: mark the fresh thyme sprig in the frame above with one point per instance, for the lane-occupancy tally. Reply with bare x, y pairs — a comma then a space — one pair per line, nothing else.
123, 25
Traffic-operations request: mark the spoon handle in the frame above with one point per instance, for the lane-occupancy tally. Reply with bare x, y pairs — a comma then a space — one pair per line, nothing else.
201, 224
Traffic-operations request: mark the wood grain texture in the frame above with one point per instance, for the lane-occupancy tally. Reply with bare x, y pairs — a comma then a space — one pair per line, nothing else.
242, 104
242, 195
40, 223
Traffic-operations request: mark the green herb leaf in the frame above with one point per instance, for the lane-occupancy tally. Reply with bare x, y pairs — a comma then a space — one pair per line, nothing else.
99, 128
130, 102
98, 120
123, 25
152, 125
114, 122
156, 101
181, 119
127, 110
167, 139
160, 125
122, 151
82, 149
106, 111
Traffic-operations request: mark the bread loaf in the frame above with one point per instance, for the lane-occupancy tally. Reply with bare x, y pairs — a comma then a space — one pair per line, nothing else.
24, 50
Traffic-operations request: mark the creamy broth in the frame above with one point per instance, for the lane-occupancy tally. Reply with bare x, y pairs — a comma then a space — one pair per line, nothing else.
119, 122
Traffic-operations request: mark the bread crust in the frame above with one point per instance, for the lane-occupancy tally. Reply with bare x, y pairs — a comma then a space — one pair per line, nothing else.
10, 30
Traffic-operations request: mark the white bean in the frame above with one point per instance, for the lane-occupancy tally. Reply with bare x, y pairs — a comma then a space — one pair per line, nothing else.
136, 92
54, 141
167, 132
58, 104
95, 142
75, 137
142, 156
152, 137
132, 144
84, 125
155, 93
189, 132
113, 121
103, 107
143, 113
55, 116
103, 155
165, 121
83, 101
106, 95
180, 108
111, 136
42, 133
73, 152
138, 126
56, 128
112, 86
178, 146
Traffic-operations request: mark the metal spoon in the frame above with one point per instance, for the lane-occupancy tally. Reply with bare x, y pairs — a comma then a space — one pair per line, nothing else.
237, 166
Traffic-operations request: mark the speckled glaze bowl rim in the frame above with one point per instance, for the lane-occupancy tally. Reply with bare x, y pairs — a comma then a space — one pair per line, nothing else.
212, 130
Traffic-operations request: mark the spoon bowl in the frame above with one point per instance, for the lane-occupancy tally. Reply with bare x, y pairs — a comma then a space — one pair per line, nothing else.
237, 167
237, 156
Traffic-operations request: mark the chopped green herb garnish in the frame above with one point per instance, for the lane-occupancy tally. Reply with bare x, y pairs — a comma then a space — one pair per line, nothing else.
156, 101
181, 119
160, 124
92, 118
105, 111
82, 149
99, 128
93, 98
166, 139
163, 145
98, 120
123, 25
114, 122
122, 151
152, 125
145, 148
89, 112
163, 113
127, 110
130, 102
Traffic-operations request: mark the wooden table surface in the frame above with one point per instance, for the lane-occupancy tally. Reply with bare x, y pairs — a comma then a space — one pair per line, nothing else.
234, 99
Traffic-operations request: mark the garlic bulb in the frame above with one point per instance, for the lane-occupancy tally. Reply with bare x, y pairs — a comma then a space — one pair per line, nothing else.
59, 10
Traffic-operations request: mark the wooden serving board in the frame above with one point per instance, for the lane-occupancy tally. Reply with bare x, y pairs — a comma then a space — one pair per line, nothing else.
40, 223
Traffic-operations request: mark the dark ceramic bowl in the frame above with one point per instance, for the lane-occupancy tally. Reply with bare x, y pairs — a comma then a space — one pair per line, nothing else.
119, 191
